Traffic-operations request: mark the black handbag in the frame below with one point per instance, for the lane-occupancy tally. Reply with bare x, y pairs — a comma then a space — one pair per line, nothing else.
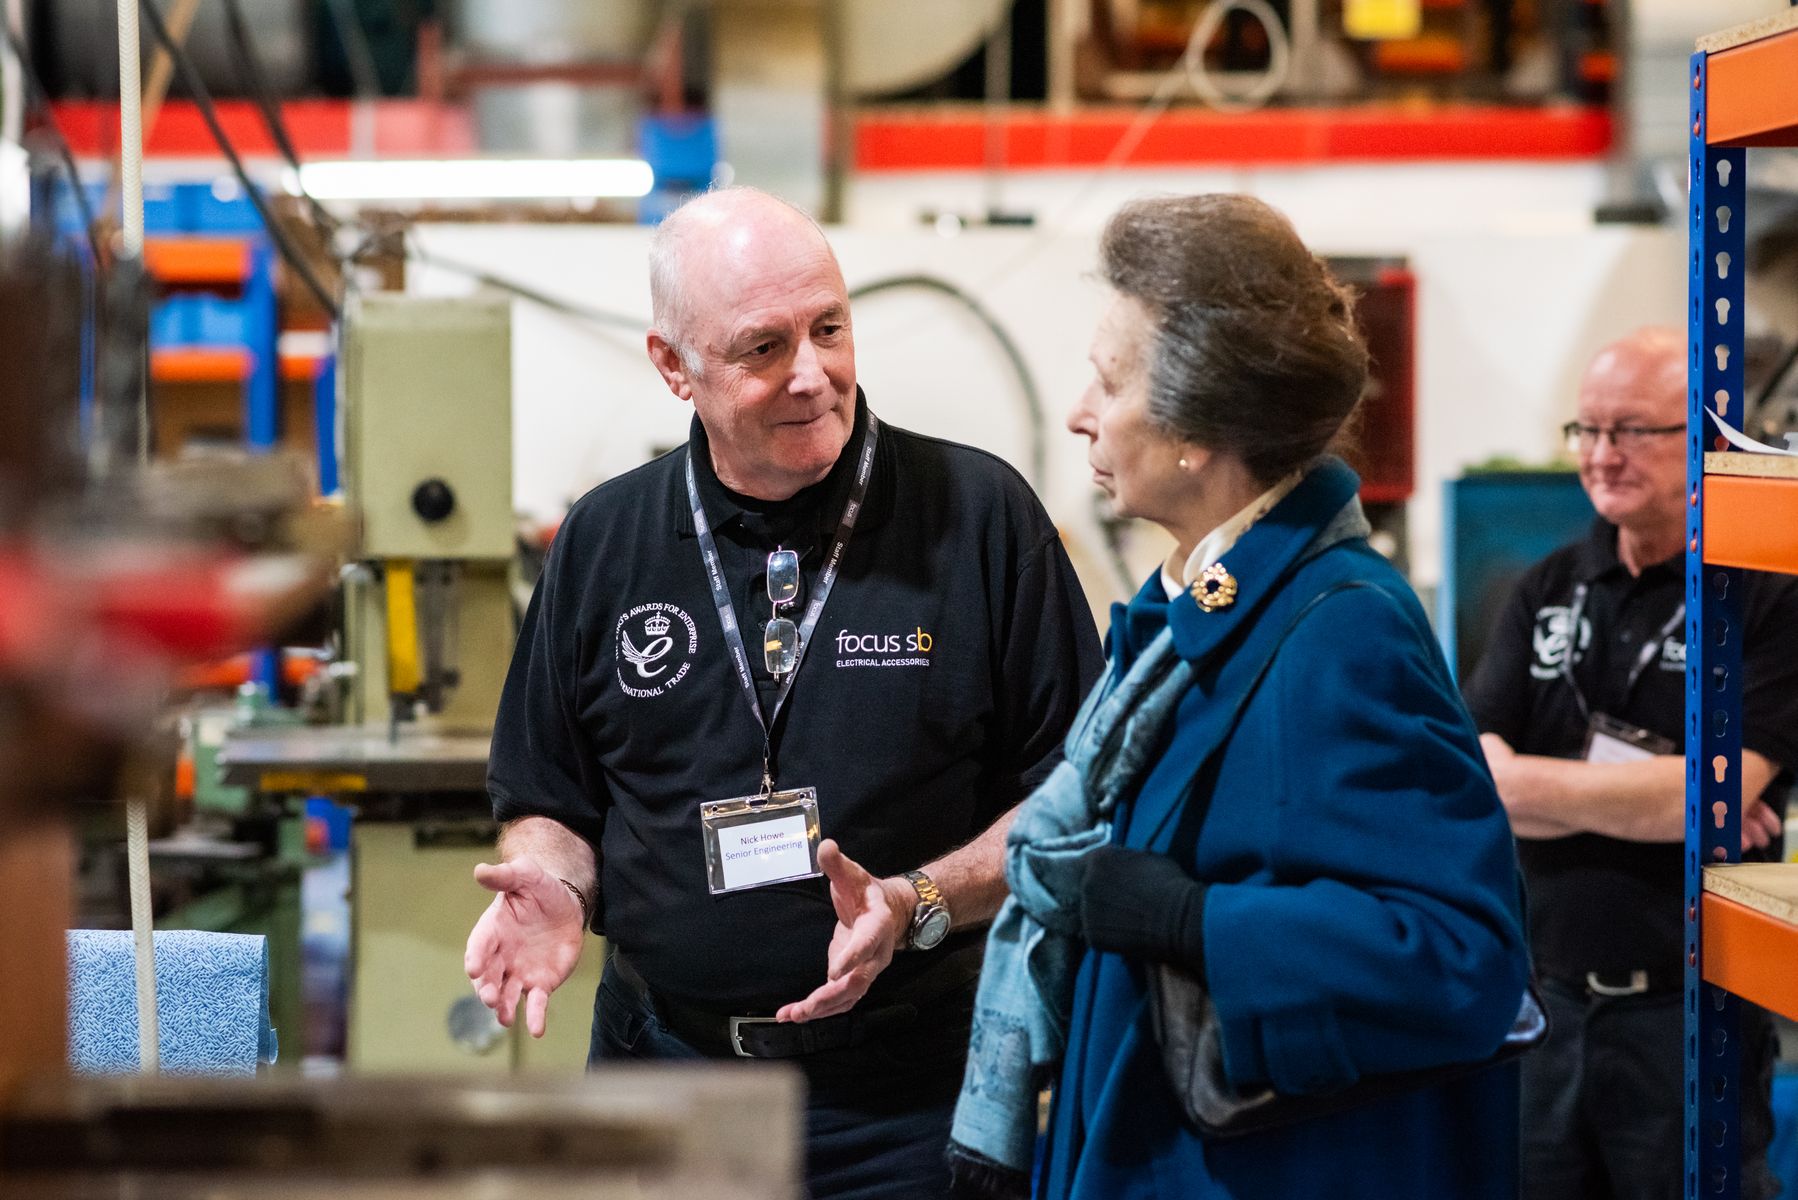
1185, 1026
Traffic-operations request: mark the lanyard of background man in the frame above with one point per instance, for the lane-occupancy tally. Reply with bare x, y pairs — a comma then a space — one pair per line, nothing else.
827, 578
1575, 612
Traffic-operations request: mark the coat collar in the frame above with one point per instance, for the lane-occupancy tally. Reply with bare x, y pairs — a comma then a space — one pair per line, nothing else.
1319, 512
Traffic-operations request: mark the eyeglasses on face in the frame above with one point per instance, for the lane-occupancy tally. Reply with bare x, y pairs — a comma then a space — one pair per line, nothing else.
1582, 438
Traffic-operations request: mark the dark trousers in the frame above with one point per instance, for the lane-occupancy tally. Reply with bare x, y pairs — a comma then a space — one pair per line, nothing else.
1603, 1099
877, 1115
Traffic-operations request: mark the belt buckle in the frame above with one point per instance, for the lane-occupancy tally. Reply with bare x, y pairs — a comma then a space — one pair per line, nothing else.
736, 1033
1638, 983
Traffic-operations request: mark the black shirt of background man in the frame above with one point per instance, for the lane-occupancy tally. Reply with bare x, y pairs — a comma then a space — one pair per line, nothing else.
1599, 903
942, 676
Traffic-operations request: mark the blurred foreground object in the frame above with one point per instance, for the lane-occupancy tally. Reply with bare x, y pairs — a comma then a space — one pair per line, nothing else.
111, 578
724, 1133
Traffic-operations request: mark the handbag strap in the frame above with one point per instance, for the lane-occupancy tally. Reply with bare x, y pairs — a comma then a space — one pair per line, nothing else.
1197, 807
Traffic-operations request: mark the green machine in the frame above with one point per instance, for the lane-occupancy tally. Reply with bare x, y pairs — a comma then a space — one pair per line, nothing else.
428, 626
237, 867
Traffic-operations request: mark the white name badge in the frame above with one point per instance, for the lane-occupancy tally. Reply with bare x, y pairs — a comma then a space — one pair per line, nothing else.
752, 841
1609, 740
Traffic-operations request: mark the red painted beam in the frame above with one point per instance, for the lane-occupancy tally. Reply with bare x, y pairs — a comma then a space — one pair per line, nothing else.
319, 128
956, 139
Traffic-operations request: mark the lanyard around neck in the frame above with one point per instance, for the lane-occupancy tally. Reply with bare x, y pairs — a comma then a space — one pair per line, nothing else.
1644, 656
827, 578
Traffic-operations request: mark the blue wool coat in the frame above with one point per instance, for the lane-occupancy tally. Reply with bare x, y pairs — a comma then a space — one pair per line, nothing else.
1364, 908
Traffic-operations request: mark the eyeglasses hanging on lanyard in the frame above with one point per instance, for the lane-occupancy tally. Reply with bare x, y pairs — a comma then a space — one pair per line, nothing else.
780, 641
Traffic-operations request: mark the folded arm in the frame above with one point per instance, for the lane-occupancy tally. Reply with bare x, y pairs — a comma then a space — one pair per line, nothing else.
1641, 801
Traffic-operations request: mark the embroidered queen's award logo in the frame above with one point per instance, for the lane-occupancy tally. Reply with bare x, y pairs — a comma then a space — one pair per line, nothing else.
654, 645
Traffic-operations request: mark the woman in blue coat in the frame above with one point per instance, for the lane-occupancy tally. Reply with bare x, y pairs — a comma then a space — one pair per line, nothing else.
1276, 789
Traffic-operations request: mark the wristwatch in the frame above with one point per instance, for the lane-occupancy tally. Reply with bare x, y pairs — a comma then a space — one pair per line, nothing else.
930, 920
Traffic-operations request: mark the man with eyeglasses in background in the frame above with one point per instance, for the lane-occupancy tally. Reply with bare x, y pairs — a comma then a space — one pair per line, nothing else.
1580, 700
774, 700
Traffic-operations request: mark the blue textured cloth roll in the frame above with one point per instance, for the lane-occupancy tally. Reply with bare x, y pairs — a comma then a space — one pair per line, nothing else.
211, 1002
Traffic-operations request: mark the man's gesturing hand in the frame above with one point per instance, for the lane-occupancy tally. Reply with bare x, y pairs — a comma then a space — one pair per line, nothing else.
527, 942
872, 916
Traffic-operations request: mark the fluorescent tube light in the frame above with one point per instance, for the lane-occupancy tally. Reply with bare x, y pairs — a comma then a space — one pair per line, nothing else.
475, 179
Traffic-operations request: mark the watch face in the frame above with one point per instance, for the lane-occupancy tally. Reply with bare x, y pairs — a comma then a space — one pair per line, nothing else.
932, 929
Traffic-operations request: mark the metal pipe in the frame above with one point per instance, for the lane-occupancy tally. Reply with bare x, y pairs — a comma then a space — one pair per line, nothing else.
131, 132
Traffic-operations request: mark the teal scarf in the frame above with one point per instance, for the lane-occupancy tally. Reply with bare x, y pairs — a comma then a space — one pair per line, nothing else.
1026, 993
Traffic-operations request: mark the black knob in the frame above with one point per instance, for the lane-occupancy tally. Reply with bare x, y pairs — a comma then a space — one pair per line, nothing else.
433, 500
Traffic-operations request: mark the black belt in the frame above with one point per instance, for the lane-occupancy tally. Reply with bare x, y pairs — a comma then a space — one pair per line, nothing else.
761, 1036
1638, 982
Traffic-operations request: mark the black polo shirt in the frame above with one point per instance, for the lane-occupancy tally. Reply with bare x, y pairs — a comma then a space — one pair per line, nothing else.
1600, 903
943, 673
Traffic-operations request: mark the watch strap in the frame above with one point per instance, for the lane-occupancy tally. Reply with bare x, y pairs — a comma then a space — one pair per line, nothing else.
925, 886
930, 900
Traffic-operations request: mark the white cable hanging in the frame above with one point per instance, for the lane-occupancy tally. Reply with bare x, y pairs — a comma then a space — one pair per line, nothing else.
1265, 86
137, 821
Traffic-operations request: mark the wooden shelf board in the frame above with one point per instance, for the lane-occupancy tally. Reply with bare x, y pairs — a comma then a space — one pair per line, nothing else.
1749, 97
1751, 31
1750, 923
1751, 522
1752, 466
1770, 888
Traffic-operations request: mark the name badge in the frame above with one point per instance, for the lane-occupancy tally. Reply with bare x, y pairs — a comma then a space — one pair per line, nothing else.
752, 841
1609, 740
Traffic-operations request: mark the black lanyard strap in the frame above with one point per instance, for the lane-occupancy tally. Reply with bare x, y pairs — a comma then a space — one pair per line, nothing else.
1650, 648
827, 578
1575, 613
1644, 656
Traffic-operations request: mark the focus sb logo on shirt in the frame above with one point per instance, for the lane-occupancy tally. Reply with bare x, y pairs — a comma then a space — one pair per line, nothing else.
648, 644
1552, 641
909, 649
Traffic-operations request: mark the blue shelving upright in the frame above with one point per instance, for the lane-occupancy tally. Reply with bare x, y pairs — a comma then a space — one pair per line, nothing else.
1741, 96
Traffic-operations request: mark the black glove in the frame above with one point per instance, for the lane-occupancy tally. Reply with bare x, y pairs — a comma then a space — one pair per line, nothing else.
1143, 905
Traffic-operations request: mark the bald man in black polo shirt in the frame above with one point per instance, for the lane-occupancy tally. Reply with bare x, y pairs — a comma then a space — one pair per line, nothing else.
773, 703
1580, 700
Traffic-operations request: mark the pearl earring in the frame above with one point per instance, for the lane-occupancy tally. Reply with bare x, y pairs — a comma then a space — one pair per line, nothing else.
1183, 462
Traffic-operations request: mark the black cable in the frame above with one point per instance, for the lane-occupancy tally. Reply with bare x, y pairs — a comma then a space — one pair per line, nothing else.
358, 55
63, 153
1033, 399
196, 87
255, 79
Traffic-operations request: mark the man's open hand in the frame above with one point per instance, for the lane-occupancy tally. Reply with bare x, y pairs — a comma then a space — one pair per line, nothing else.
526, 944
872, 917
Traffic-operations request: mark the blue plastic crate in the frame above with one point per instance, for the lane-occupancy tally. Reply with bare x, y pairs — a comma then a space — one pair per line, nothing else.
220, 322
163, 208
68, 213
200, 319
682, 149
172, 324
219, 208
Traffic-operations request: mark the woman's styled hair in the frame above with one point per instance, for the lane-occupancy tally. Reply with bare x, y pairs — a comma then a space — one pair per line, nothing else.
1256, 352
